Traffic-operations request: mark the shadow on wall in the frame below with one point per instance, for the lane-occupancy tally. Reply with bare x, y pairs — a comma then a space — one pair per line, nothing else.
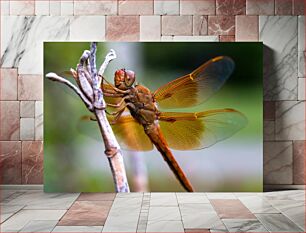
269, 78
269, 82
274, 77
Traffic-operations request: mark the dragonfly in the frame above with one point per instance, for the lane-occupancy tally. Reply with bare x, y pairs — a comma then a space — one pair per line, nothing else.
139, 123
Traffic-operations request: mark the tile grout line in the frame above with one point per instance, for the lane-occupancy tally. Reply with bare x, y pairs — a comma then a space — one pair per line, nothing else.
217, 213
68, 209
108, 211
283, 212
146, 197
13, 214
54, 226
178, 204
277, 214
139, 213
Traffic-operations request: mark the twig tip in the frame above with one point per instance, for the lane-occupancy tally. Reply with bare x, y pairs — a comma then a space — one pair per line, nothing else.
51, 75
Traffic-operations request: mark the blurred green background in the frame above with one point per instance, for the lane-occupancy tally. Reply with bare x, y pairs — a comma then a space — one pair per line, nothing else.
74, 159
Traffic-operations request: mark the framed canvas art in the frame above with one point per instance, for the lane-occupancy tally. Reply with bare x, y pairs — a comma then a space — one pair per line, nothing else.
187, 116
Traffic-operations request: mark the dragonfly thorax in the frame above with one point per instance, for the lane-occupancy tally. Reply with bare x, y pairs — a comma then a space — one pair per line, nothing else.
141, 104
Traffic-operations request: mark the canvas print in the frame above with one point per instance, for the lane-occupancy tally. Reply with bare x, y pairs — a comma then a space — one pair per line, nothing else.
152, 117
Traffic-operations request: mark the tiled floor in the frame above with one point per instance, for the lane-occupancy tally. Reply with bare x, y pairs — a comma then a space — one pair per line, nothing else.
35, 211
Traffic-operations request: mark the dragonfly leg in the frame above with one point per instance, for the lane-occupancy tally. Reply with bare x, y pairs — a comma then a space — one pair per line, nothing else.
120, 91
108, 94
117, 112
115, 105
117, 116
118, 105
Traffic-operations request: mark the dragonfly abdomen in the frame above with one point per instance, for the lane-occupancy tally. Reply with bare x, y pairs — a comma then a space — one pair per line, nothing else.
154, 133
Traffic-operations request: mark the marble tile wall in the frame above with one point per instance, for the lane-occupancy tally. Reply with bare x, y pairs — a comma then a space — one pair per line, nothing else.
279, 24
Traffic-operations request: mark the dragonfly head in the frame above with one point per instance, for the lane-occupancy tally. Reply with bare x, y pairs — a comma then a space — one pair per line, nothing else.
124, 79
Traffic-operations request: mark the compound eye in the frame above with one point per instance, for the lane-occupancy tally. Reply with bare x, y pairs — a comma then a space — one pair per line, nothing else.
129, 77
130, 73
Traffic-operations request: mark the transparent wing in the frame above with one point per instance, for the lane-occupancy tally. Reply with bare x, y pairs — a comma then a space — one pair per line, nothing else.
130, 134
196, 87
190, 131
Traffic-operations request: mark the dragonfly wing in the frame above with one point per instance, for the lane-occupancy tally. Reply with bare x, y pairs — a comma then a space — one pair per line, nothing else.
130, 134
191, 131
196, 87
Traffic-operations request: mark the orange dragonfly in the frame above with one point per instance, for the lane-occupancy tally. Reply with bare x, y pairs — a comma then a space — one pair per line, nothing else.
139, 124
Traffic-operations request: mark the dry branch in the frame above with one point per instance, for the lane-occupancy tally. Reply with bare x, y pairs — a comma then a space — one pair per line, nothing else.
55, 77
90, 92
